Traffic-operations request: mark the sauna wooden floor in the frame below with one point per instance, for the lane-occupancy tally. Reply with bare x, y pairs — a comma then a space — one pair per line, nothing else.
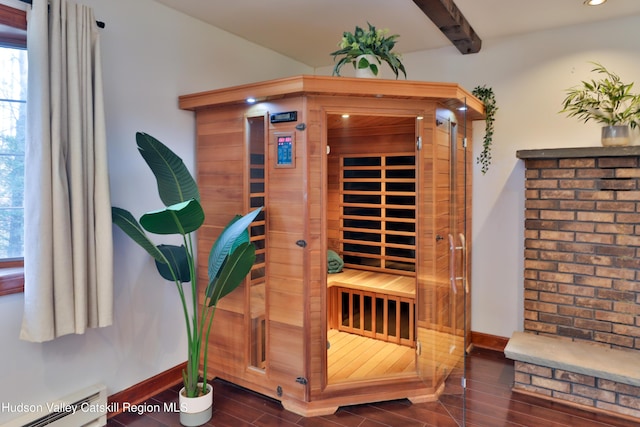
353, 357
489, 403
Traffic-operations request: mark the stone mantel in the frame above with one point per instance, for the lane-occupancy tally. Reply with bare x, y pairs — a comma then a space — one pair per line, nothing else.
579, 152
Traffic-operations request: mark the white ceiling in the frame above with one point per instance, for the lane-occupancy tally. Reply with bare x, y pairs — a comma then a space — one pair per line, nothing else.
308, 30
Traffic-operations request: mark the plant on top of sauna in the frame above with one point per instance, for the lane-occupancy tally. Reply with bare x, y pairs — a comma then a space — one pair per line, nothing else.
486, 95
372, 41
608, 100
230, 259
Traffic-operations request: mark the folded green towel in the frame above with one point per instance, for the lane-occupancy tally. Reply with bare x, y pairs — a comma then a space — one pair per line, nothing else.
334, 262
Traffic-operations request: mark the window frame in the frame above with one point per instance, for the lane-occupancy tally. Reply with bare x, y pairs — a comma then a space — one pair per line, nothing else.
12, 271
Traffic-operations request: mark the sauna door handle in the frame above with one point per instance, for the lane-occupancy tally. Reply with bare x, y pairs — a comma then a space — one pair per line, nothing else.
463, 249
453, 277
452, 264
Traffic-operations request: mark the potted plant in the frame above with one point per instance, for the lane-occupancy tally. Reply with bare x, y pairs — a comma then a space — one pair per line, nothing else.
488, 98
608, 101
230, 260
366, 49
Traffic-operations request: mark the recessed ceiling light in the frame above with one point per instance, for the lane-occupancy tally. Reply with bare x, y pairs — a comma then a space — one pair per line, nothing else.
594, 2
251, 100
345, 116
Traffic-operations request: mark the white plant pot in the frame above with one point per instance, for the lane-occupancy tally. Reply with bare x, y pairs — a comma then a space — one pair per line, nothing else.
367, 72
195, 411
615, 136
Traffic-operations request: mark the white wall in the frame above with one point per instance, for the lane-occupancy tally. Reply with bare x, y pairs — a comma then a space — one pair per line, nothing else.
529, 75
151, 55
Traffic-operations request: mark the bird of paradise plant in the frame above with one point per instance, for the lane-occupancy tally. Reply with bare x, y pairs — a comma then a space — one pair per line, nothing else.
230, 259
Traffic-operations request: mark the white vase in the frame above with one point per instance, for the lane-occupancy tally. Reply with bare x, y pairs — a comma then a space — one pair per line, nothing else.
195, 411
367, 72
615, 136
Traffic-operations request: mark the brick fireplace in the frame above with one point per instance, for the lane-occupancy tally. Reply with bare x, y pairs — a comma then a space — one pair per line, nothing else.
582, 276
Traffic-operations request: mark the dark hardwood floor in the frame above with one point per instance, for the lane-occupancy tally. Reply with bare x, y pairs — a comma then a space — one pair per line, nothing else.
489, 403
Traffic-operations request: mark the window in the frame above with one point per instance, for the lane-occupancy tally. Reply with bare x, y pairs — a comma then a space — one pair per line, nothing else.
13, 112
256, 127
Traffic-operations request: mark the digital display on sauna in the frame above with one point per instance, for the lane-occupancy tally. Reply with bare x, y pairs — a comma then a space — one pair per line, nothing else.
289, 116
285, 151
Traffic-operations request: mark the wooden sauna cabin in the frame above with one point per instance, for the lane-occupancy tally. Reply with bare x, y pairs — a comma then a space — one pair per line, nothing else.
379, 173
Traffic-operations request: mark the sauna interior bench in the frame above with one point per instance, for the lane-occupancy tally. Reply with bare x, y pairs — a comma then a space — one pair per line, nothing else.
373, 304
580, 357
373, 281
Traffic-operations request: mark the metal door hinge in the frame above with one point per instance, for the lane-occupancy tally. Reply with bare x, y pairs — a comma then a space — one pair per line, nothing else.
301, 243
301, 380
419, 143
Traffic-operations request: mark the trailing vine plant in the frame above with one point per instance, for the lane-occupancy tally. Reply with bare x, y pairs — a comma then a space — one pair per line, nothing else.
486, 95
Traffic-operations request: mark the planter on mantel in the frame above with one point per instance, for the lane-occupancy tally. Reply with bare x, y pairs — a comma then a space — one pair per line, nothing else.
615, 136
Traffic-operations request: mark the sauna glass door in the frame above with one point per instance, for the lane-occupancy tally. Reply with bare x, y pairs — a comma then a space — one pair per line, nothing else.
371, 227
441, 279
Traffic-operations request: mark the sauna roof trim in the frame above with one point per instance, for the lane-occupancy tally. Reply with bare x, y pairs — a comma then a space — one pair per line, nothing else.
449, 94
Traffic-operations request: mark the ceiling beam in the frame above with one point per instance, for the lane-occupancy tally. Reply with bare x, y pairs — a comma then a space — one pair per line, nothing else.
446, 15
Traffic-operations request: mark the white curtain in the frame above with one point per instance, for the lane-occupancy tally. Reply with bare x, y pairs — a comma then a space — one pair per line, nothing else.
68, 259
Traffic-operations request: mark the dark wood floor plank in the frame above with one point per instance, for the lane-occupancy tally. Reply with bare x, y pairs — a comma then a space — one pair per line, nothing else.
237, 409
485, 417
371, 423
321, 422
374, 413
223, 419
268, 420
431, 414
489, 402
255, 401
341, 417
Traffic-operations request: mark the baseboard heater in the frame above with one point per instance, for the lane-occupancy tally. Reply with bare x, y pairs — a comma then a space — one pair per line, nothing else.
85, 408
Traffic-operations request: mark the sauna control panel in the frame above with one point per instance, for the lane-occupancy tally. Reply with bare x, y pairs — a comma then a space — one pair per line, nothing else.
285, 149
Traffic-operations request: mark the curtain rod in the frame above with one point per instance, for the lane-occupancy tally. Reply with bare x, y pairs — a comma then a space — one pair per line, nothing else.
100, 24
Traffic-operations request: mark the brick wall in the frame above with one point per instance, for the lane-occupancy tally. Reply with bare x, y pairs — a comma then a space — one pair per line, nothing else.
578, 389
582, 249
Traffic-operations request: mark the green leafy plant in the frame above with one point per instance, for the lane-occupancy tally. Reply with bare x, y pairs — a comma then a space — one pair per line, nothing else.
486, 95
607, 100
374, 42
230, 259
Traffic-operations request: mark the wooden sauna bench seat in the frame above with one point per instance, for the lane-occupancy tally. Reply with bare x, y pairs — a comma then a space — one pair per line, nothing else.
372, 304
373, 281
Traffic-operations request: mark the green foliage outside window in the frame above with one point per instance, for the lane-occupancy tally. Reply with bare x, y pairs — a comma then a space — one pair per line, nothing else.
13, 113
